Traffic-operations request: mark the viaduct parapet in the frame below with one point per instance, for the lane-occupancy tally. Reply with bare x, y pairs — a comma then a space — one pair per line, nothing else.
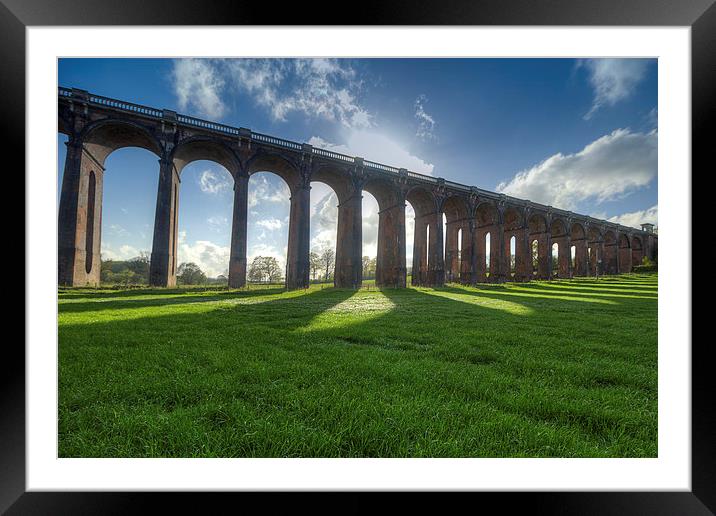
97, 126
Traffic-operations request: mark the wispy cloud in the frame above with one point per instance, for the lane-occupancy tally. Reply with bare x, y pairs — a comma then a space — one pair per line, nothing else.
635, 219
608, 168
426, 123
263, 189
319, 88
271, 224
212, 183
198, 86
613, 80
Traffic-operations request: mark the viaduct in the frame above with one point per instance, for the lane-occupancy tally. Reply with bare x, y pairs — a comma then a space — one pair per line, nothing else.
96, 126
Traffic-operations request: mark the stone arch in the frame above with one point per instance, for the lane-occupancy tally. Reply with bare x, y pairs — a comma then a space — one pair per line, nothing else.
487, 219
562, 244
348, 269
539, 232
105, 136
611, 253
208, 149
79, 237
595, 250
637, 250
458, 239
513, 227
578, 238
390, 268
425, 234
625, 254
338, 178
279, 164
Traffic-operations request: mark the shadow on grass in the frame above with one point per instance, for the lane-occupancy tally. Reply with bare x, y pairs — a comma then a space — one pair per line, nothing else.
144, 299
119, 292
423, 339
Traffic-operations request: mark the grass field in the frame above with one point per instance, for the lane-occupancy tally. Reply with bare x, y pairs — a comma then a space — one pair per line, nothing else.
558, 369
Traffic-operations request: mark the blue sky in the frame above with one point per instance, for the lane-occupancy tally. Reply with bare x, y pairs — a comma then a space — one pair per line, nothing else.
576, 134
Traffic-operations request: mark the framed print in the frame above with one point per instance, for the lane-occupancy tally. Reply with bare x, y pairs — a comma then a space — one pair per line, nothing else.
414, 254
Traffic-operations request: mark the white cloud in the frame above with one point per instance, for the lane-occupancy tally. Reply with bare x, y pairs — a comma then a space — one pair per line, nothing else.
321, 88
426, 123
270, 224
212, 183
613, 80
635, 219
264, 187
211, 258
378, 147
608, 168
123, 252
198, 86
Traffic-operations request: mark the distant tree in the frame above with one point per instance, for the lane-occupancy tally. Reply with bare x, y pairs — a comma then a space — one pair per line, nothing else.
369, 265
190, 274
264, 269
366, 266
328, 262
314, 260
221, 280
535, 255
140, 266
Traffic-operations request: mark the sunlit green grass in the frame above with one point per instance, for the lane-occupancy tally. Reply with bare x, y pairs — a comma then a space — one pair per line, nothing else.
565, 369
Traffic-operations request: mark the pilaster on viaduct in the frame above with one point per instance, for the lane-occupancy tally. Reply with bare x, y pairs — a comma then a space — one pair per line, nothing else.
96, 126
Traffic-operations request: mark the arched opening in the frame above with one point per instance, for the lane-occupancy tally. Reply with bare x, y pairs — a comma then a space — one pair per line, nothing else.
625, 255
535, 257
561, 253
414, 274
488, 254
268, 221
296, 251
577, 236
130, 183
537, 224
324, 233
513, 249
637, 250
203, 225
370, 237
513, 252
572, 255
427, 246
487, 248
610, 253
91, 191
458, 244
596, 251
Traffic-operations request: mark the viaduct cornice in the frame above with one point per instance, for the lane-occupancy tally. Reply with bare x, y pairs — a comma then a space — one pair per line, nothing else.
83, 98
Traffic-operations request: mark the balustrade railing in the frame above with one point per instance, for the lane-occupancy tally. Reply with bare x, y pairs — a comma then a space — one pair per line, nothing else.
380, 166
330, 154
198, 122
276, 141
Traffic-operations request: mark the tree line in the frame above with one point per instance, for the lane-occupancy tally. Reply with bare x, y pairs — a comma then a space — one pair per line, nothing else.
263, 269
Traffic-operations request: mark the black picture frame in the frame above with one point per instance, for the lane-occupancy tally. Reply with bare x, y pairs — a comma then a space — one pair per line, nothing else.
700, 15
